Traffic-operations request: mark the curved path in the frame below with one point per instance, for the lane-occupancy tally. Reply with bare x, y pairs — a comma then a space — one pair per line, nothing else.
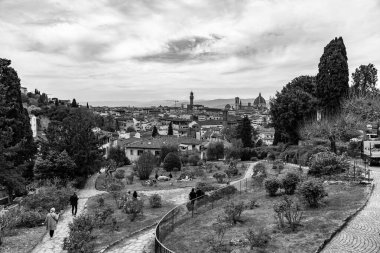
55, 244
144, 242
362, 234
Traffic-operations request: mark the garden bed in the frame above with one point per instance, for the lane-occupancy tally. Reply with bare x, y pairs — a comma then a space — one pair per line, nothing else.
316, 226
22, 239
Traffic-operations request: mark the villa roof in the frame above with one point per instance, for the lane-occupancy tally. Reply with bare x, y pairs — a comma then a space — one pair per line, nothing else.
158, 142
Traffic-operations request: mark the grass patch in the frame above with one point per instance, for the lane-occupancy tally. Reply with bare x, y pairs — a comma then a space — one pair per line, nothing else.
317, 225
105, 235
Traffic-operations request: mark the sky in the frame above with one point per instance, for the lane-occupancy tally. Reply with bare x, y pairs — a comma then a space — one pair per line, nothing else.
143, 50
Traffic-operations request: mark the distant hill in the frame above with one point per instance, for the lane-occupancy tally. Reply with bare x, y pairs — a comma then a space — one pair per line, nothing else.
214, 103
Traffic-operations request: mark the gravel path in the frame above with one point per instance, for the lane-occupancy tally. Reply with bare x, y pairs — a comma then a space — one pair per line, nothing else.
55, 244
362, 234
144, 241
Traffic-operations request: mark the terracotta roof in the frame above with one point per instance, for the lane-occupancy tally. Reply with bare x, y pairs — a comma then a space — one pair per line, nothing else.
158, 142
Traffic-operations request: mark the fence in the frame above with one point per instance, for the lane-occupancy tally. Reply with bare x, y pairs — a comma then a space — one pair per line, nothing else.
184, 212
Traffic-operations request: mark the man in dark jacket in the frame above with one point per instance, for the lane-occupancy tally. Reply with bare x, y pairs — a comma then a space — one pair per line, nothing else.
192, 196
74, 203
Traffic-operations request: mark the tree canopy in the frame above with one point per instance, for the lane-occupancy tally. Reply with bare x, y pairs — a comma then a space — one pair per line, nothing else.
245, 132
364, 80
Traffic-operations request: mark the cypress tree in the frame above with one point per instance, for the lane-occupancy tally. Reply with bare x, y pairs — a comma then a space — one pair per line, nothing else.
74, 103
333, 76
170, 129
244, 131
155, 131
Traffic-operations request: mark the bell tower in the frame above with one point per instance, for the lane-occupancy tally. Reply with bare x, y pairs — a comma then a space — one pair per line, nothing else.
191, 100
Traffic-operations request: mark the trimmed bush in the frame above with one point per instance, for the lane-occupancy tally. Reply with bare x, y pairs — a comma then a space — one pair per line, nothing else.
289, 182
272, 185
172, 161
327, 163
312, 191
220, 176
155, 201
145, 165
80, 237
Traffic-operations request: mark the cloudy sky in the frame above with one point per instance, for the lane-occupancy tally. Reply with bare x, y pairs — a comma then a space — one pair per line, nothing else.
159, 49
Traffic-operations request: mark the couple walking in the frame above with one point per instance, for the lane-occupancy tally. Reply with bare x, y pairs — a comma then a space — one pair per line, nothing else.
52, 217
195, 196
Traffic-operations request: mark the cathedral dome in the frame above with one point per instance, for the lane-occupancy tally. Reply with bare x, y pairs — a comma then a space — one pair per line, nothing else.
259, 100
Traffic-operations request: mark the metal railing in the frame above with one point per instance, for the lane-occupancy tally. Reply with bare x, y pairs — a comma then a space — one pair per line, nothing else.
182, 213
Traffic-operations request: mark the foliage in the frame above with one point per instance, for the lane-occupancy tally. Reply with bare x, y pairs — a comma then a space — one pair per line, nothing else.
188, 173
54, 165
294, 104
219, 176
233, 153
118, 155
170, 129
30, 219
259, 238
154, 131
272, 185
145, 165
252, 204
100, 201
133, 207
166, 149
171, 161
312, 191
215, 242
48, 197
205, 187
245, 132
233, 212
271, 156
364, 80
114, 189
215, 151
278, 165
290, 210
247, 153
120, 174
223, 192
194, 159
155, 201
327, 163
259, 173
101, 216
8, 220
80, 237
290, 182
333, 76
130, 178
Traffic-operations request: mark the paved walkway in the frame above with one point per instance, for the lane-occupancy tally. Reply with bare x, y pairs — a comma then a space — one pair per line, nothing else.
362, 234
55, 244
144, 242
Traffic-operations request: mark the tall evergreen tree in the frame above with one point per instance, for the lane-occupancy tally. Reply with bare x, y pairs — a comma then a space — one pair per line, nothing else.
333, 76
155, 131
364, 80
56, 102
74, 103
244, 132
170, 129
88, 106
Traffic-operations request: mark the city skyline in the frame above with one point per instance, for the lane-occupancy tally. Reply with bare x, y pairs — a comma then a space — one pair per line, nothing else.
144, 50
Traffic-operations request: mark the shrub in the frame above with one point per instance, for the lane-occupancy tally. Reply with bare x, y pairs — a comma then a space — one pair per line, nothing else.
233, 153
145, 165
194, 159
252, 204
30, 219
133, 207
233, 211
215, 151
289, 210
272, 185
271, 156
130, 178
79, 182
120, 174
278, 166
312, 191
100, 201
254, 159
327, 163
166, 149
215, 241
80, 238
219, 176
223, 192
101, 216
289, 182
171, 161
247, 153
259, 173
155, 201
118, 155
259, 238
188, 173
205, 187
198, 171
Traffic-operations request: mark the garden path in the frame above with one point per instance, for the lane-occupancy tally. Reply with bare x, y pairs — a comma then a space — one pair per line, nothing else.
55, 244
144, 241
362, 234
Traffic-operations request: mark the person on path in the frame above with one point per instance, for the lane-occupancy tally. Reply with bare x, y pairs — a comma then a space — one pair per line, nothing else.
156, 176
74, 203
51, 221
170, 175
192, 197
134, 195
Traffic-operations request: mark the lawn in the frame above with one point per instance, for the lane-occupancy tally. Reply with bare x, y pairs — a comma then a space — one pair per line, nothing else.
22, 239
105, 235
317, 225
174, 183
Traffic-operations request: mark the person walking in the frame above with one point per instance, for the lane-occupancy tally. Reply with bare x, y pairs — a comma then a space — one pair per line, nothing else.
170, 175
51, 221
74, 203
192, 197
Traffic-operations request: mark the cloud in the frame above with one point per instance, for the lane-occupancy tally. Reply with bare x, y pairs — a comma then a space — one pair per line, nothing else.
128, 50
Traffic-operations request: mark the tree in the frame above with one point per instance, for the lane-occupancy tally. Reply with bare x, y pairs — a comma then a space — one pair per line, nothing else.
172, 161
56, 103
145, 165
166, 149
118, 155
170, 129
364, 80
117, 125
244, 132
87, 106
43, 99
215, 151
291, 107
229, 133
55, 165
333, 76
155, 131
131, 129
74, 103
